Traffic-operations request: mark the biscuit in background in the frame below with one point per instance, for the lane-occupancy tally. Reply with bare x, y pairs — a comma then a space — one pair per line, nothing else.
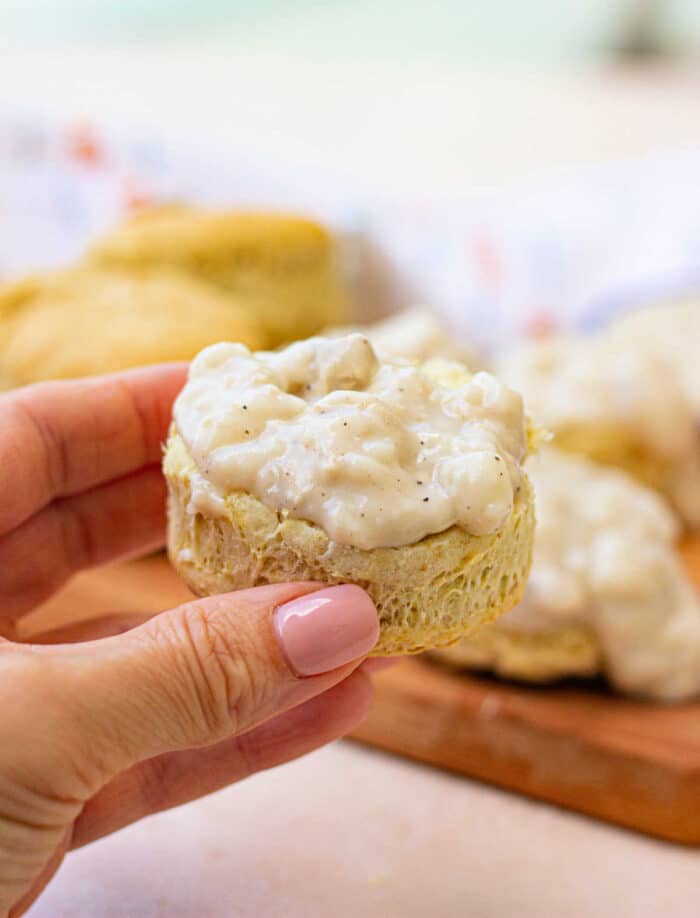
89, 320
284, 267
670, 331
413, 334
607, 593
609, 400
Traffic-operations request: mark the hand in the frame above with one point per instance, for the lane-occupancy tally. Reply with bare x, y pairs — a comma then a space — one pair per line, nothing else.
99, 733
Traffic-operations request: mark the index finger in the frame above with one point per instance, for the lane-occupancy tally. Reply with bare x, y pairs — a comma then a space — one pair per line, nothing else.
61, 438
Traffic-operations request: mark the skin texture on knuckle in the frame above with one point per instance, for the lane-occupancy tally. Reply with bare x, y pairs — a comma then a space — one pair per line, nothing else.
221, 673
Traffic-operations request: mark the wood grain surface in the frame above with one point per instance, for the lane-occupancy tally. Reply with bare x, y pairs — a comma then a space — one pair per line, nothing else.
577, 746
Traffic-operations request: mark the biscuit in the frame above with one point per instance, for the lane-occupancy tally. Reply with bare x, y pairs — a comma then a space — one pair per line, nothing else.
414, 334
89, 321
608, 594
322, 462
607, 400
670, 331
283, 266
537, 657
427, 594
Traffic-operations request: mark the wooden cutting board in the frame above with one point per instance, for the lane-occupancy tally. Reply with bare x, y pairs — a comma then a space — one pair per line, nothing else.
631, 763
579, 746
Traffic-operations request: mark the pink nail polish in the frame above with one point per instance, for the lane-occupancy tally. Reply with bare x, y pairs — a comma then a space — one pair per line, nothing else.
324, 630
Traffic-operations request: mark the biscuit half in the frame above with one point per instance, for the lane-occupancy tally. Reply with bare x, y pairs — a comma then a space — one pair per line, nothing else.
537, 656
428, 594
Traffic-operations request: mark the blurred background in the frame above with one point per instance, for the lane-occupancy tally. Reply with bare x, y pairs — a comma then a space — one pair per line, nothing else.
422, 97
465, 139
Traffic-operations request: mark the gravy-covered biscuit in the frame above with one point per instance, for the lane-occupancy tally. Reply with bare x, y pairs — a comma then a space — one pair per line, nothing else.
606, 399
607, 594
322, 462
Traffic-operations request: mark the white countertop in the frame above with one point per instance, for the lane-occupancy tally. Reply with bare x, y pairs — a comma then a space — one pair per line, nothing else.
348, 831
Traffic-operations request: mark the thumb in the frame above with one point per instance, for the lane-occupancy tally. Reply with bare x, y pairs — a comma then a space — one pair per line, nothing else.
210, 669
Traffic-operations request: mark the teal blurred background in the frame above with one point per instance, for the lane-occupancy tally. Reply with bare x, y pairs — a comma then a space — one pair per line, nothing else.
539, 31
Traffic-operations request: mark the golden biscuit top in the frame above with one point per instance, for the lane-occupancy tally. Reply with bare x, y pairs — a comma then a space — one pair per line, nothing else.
178, 233
91, 320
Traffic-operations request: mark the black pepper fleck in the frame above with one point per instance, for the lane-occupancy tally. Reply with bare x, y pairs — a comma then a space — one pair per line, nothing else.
425, 500
419, 482
247, 433
245, 407
497, 458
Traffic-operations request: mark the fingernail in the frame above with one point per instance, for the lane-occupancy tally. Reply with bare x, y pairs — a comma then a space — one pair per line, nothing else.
324, 630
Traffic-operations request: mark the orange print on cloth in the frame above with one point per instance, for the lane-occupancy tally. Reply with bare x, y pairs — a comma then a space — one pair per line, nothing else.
84, 147
540, 324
